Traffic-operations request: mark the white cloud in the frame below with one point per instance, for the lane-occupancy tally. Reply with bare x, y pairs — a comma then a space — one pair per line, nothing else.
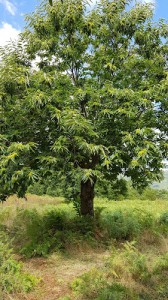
149, 1
10, 7
144, 1
8, 33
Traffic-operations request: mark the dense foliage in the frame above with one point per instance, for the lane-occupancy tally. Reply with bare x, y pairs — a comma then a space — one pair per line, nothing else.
96, 106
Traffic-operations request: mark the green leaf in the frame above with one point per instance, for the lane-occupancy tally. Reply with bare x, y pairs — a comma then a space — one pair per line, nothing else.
50, 2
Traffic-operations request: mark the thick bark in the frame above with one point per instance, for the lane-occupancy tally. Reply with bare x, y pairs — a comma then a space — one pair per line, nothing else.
86, 197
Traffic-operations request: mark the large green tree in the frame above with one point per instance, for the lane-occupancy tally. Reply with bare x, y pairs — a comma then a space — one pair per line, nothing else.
96, 106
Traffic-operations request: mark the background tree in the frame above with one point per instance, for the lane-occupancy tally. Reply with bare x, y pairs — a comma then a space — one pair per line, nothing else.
96, 107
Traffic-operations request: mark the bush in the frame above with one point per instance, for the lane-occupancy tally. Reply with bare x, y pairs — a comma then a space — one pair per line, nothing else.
145, 219
161, 264
94, 286
5, 214
84, 225
37, 189
116, 291
164, 218
160, 271
37, 234
163, 223
12, 277
113, 190
137, 264
121, 225
89, 284
154, 194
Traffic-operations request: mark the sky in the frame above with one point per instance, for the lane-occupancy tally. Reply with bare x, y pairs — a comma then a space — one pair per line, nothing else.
12, 14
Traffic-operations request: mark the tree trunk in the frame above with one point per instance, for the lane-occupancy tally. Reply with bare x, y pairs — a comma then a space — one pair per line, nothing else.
86, 197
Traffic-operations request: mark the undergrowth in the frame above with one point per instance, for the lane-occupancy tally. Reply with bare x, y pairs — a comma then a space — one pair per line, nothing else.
128, 274
39, 233
12, 276
132, 272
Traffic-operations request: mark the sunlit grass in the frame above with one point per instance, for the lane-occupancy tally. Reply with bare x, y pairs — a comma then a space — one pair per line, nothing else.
156, 207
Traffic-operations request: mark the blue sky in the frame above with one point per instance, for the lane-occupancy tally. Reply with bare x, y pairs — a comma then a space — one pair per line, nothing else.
12, 15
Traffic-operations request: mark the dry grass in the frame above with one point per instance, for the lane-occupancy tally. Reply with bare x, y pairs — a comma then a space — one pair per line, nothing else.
58, 271
33, 201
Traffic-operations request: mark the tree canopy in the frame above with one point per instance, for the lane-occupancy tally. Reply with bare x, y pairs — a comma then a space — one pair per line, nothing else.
95, 107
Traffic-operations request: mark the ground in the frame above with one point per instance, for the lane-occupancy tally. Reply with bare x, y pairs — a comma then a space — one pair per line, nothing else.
57, 271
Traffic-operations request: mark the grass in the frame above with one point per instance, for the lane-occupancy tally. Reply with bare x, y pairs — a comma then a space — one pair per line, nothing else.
120, 255
156, 207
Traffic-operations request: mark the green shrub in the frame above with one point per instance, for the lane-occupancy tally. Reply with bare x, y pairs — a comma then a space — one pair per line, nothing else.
113, 190
84, 225
94, 285
38, 234
163, 223
37, 188
137, 263
5, 214
121, 225
160, 271
154, 194
149, 194
12, 277
145, 219
164, 218
116, 291
161, 264
129, 262
89, 284
162, 194
54, 191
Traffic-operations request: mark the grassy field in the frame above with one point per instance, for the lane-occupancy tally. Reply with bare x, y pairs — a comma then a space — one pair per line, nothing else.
122, 254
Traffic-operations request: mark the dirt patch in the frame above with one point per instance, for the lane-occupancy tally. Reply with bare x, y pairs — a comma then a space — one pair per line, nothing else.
57, 272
